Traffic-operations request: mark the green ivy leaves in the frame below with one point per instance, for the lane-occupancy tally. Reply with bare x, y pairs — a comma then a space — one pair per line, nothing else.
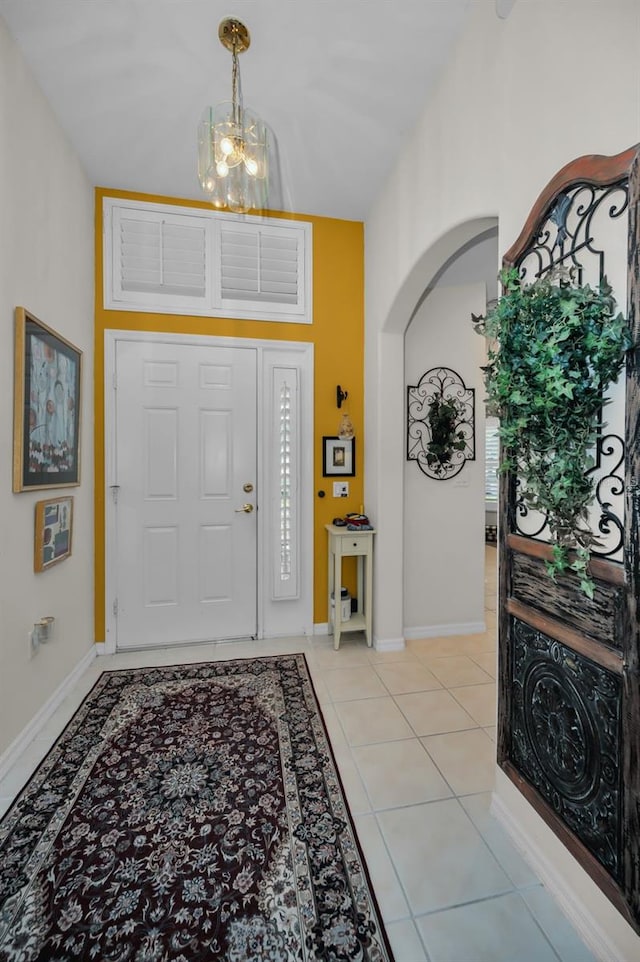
442, 416
553, 351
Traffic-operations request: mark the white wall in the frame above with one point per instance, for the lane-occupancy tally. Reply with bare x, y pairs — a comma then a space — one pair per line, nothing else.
444, 519
519, 98
46, 265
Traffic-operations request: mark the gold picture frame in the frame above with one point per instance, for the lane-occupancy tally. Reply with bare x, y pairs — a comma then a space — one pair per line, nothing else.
46, 409
53, 532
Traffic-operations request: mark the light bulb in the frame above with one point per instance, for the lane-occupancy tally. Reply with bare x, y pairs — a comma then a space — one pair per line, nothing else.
226, 146
222, 168
251, 166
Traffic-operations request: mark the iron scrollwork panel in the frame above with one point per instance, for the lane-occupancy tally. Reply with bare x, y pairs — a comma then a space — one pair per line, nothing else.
568, 238
606, 515
440, 458
565, 738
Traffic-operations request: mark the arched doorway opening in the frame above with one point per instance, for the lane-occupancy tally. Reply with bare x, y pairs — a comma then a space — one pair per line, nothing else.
445, 511
386, 424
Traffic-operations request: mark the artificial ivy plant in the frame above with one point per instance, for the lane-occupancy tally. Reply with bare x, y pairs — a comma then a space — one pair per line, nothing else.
442, 416
553, 349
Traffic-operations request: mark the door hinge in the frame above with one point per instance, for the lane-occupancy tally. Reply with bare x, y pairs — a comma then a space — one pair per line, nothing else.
114, 608
114, 491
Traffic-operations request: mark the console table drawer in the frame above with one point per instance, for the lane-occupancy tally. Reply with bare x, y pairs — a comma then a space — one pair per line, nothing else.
358, 544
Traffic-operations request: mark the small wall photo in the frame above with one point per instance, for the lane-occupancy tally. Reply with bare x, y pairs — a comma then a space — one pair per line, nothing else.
53, 530
338, 457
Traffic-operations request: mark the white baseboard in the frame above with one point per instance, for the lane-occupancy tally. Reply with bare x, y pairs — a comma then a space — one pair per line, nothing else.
439, 631
577, 912
389, 644
380, 644
305, 632
11, 754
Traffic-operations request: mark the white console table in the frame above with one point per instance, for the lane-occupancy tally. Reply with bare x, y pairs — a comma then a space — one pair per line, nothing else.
343, 544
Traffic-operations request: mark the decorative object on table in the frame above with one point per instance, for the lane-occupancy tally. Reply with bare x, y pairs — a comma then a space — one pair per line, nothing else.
357, 522
233, 153
345, 604
229, 838
53, 532
554, 348
46, 413
338, 457
440, 423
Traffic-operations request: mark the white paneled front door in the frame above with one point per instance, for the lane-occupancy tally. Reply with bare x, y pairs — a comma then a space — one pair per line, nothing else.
185, 443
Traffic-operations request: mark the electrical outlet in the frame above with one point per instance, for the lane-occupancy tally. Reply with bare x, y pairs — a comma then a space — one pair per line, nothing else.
341, 489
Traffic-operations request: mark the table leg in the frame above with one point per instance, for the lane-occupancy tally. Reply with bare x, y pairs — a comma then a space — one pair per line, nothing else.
329, 586
337, 600
368, 599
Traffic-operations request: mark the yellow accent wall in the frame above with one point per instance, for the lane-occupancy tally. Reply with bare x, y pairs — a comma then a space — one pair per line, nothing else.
337, 334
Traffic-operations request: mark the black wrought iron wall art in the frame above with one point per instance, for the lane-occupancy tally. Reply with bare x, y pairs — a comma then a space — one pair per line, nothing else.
441, 423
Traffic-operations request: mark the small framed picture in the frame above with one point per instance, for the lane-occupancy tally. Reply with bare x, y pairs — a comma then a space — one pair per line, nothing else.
54, 525
46, 420
338, 457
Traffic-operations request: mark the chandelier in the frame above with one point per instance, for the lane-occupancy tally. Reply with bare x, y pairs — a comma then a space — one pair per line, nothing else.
233, 166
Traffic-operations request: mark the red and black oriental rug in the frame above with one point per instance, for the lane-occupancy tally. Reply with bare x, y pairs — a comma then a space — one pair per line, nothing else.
188, 813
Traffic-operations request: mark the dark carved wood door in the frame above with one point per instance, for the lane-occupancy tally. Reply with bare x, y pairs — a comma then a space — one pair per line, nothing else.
569, 672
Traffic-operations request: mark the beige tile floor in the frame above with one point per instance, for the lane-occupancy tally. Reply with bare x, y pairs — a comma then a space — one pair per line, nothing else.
413, 733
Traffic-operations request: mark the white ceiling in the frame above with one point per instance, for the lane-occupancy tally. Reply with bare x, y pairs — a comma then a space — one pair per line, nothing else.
339, 82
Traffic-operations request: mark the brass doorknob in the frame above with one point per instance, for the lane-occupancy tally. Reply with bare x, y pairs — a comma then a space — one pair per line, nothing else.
247, 508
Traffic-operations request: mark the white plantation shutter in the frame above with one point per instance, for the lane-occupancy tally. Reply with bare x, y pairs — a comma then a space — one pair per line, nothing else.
165, 257
262, 267
179, 260
159, 260
285, 445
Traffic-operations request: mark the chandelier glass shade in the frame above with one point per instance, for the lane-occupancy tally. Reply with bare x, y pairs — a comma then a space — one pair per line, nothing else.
233, 164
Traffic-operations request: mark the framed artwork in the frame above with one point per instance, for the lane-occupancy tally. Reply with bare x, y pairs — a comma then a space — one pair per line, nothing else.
46, 409
338, 457
54, 525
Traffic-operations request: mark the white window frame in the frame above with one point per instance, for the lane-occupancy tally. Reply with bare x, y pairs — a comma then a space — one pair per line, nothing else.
211, 305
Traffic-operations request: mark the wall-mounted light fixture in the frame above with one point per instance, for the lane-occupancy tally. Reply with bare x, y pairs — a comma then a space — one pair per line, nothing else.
345, 430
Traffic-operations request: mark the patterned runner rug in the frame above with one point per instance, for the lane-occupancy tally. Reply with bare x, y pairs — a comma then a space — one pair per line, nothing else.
188, 813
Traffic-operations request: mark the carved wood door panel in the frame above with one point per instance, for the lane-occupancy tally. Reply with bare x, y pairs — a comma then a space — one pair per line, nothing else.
569, 672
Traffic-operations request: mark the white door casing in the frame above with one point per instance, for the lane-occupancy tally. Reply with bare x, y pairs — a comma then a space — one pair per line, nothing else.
181, 559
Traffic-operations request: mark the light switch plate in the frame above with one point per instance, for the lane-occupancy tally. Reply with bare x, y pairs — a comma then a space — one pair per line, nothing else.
341, 489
